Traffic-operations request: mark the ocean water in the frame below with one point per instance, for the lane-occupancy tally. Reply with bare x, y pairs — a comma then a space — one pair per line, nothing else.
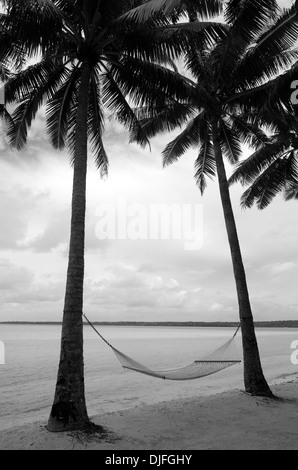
28, 377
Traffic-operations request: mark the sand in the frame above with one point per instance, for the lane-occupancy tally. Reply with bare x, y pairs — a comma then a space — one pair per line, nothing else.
231, 420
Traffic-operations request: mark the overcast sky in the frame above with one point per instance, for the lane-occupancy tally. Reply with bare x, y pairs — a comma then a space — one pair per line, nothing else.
135, 279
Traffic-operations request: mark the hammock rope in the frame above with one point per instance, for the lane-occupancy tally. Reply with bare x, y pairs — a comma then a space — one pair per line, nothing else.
221, 358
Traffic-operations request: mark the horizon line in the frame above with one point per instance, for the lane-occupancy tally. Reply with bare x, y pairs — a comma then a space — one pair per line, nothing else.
260, 323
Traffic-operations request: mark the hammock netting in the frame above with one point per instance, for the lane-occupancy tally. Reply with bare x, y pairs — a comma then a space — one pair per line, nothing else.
221, 358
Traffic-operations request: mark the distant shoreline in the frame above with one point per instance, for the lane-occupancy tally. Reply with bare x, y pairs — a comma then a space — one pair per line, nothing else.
259, 324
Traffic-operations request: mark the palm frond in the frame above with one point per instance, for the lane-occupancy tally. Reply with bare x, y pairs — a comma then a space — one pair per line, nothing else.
39, 24
154, 42
189, 137
272, 50
269, 184
250, 169
6, 116
205, 164
230, 142
247, 20
148, 82
59, 107
30, 88
291, 191
96, 125
166, 118
114, 99
249, 17
170, 8
248, 130
32, 79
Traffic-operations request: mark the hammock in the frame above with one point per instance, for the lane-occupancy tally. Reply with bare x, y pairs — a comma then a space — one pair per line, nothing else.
223, 357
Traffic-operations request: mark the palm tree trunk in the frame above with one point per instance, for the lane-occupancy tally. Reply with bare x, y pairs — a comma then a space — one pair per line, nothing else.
254, 380
69, 410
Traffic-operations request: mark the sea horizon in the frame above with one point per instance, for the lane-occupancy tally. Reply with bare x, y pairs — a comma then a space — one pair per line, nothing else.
215, 324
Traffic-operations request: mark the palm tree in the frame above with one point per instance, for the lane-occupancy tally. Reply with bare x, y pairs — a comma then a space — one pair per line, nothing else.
223, 84
75, 77
89, 60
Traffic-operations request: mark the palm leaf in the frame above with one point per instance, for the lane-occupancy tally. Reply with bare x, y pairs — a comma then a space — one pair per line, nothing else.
248, 129
291, 191
30, 88
205, 164
59, 108
230, 143
142, 80
153, 8
271, 182
249, 17
113, 97
32, 78
96, 125
155, 42
247, 20
161, 119
189, 137
38, 24
248, 170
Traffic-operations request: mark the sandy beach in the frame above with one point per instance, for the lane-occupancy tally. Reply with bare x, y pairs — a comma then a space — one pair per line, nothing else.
231, 420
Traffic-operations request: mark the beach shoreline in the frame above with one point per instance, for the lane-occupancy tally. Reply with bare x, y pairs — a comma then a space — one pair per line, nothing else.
230, 420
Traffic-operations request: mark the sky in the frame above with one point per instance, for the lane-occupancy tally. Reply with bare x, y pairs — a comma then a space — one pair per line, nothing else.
127, 278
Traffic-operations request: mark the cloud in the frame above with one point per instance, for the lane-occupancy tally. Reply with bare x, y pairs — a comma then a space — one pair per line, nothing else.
13, 278
277, 268
216, 307
283, 267
18, 204
126, 289
22, 294
173, 284
13, 223
128, 293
